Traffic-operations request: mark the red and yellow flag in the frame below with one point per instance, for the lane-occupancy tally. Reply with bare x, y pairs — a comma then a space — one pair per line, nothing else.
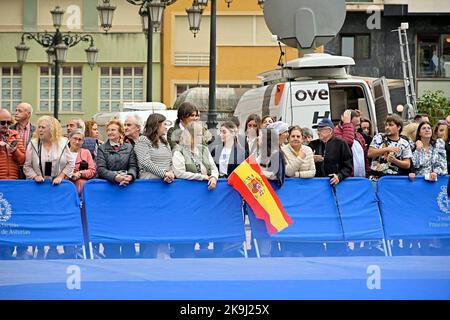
256, 190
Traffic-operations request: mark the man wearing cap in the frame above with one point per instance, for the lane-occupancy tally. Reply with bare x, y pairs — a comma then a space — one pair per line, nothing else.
332, 155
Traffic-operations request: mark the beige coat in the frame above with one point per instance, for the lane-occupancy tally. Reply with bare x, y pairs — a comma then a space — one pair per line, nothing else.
298, 167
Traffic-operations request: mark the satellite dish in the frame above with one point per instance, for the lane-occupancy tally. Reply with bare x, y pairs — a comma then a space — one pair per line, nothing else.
304, 23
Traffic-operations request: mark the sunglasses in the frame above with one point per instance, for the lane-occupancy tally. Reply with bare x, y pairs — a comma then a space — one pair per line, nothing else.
5, 123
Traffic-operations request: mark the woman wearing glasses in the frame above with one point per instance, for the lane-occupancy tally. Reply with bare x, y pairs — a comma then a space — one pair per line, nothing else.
85, 167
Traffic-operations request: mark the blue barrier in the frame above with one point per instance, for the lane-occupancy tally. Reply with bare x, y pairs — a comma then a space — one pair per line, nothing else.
418, 209
39, 214
358, 207
311, 205
151, 211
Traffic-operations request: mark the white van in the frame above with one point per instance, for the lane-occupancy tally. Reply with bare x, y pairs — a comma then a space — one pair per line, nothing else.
314, 87
102, 118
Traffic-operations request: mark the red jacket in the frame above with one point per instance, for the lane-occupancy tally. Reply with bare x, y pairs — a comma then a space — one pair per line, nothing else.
10, 163
347, 132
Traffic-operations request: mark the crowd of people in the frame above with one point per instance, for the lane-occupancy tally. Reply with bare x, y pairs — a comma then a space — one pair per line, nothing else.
189, 151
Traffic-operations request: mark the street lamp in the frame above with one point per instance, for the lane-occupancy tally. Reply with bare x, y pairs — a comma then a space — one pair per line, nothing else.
57, 45
151, 12
194, 18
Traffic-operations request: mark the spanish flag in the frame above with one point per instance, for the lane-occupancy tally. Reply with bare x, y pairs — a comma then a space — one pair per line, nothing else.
256, 190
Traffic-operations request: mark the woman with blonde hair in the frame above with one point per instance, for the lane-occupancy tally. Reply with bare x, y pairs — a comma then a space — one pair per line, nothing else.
48, 157
116, 161
48, 153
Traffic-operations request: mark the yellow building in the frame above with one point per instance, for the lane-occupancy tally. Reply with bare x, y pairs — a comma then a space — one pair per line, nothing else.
244, 48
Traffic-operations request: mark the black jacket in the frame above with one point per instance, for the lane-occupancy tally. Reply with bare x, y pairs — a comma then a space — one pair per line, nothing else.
338, 158
109, 161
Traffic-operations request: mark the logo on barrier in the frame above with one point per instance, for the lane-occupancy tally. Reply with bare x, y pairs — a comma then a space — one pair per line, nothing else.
5, 209
443, 200
255, 185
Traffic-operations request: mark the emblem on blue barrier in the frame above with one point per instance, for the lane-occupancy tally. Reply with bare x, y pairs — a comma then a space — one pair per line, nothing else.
5, 209
443, 200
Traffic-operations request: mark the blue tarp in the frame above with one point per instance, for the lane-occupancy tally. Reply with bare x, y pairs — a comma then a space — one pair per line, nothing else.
152, 211
32, 213
418, 209
228, 279
311, 205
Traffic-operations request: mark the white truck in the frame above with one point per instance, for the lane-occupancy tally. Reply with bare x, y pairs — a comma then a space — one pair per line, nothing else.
314, 87
140, 109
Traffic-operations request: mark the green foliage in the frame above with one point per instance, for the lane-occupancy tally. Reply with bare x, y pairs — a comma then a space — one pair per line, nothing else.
435, 104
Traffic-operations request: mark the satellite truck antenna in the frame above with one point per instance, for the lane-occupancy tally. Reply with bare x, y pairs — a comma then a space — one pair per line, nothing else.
304, 24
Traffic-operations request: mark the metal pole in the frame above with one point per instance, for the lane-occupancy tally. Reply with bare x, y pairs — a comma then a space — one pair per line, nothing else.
212, 111
149, 58
56, 97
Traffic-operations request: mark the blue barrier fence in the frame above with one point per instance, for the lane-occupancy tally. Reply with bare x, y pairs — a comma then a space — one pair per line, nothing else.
419, 210
39, 214
151, 211
185, 211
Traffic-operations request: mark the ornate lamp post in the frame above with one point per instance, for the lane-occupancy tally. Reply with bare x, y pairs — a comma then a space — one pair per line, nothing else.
57, 45
151, 12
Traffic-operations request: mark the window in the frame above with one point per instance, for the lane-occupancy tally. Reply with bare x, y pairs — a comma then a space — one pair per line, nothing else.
356, 46
120, 84
70, 89
10, 87
433, 57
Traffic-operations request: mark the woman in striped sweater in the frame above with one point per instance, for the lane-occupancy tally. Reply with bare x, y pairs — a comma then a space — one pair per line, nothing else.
155, 161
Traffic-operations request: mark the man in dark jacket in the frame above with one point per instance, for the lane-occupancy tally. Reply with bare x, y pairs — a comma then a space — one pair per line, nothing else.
332, 155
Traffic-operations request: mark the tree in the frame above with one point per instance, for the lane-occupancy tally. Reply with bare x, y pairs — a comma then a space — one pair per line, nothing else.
435, 104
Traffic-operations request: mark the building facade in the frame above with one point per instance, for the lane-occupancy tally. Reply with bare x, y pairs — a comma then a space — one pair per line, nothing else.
367, 36
118, 76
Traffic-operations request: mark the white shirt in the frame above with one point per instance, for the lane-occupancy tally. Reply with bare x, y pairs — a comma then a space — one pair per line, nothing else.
359, 166
223, 161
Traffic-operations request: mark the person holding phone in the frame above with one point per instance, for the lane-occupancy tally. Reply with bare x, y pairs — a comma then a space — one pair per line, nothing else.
12, 149
12, 156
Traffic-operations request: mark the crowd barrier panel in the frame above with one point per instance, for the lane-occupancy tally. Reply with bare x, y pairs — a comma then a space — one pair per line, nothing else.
185, 211
39, 214
414, 210
150, 211
322, 213
357, 204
